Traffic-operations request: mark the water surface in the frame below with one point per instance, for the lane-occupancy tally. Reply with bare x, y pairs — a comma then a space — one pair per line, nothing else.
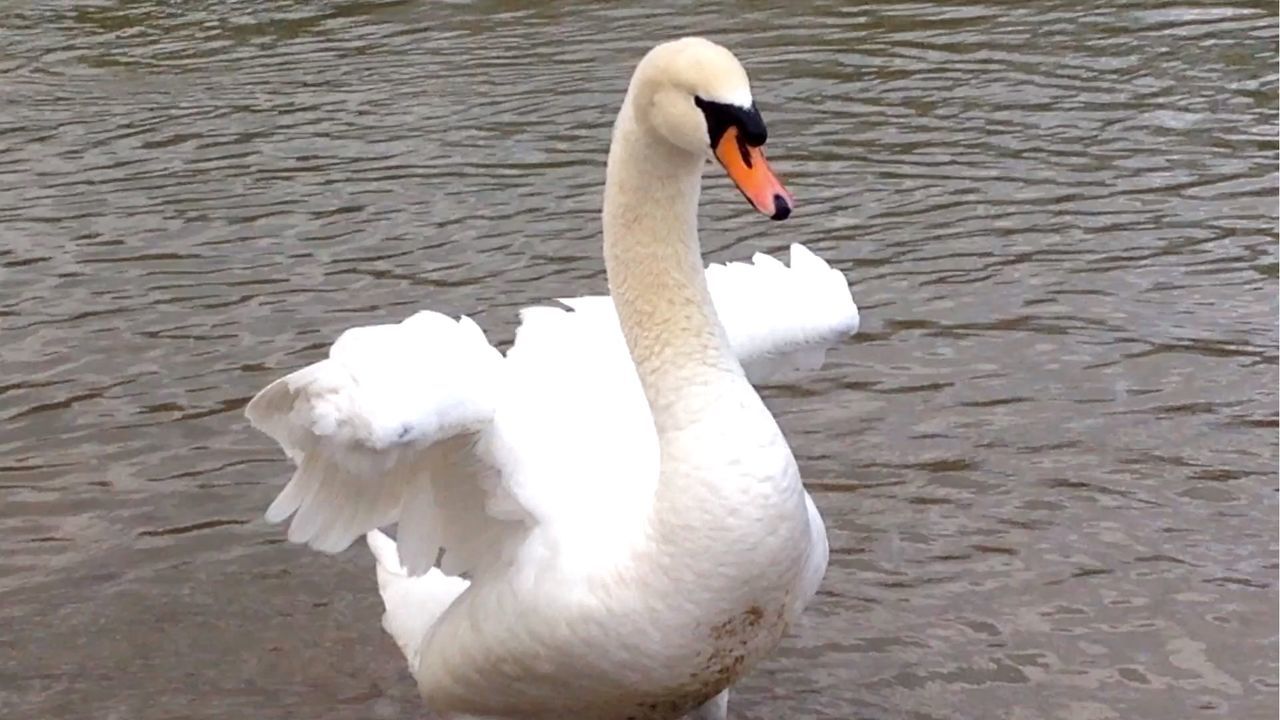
1048, 463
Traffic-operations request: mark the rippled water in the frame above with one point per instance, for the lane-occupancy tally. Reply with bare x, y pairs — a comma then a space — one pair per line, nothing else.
1048, 463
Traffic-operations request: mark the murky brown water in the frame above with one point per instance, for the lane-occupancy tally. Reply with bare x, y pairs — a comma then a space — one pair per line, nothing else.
1047, 464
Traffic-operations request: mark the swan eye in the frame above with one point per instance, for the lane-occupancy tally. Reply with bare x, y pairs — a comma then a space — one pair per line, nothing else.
722, 116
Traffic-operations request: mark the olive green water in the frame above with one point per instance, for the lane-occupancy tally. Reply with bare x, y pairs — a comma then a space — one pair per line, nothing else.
1048, 463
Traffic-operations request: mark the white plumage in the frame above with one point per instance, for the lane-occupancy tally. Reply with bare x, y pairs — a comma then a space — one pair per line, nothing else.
367, 426
782, 319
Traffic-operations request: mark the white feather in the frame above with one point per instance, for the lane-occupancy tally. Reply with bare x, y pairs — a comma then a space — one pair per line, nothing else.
779, 319
365, 426
538, 464
412, 603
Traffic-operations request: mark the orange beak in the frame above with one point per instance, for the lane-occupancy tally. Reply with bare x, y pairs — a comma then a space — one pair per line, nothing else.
749, 171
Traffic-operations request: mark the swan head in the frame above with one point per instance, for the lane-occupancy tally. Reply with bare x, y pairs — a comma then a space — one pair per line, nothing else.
696, 95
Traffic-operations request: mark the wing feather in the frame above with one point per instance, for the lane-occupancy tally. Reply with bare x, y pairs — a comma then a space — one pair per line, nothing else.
423, 423
377, 431
782, 319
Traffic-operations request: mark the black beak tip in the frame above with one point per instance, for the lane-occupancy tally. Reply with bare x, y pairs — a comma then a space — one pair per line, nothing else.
781, 208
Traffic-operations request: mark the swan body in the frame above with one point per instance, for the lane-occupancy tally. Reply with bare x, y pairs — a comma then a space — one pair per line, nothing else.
628, 517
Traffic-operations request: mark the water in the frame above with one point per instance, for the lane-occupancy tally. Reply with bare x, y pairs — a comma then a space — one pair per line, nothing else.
1047, 463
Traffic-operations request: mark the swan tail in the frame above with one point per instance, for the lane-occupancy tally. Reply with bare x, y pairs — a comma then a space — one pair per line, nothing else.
413, 603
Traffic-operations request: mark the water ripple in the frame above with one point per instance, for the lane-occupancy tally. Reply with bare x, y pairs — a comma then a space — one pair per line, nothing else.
1048, 462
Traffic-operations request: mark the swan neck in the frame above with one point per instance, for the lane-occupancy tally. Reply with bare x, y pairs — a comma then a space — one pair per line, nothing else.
654, 265
725, 471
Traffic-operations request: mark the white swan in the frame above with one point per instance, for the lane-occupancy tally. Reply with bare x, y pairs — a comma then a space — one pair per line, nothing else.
628, 516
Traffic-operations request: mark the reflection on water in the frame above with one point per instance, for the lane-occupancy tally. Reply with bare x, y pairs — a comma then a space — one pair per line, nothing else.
1048, 463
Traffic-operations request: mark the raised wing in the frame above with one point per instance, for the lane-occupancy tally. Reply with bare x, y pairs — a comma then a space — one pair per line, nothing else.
424, 424
386, 427
781, 319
